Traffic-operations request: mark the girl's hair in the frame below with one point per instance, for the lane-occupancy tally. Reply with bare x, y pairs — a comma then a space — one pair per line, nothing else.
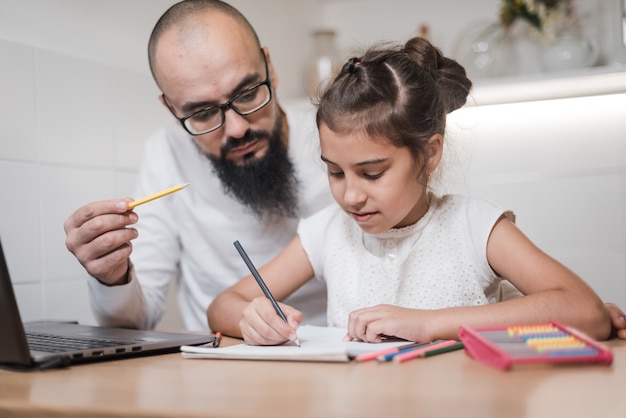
398, 93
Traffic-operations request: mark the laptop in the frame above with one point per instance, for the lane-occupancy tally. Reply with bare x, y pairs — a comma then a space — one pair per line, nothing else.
49, 344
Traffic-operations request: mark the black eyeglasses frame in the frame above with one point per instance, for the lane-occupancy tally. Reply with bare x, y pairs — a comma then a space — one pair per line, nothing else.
227, 105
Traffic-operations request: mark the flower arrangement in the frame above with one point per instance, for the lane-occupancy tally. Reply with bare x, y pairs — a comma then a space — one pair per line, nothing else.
546, 17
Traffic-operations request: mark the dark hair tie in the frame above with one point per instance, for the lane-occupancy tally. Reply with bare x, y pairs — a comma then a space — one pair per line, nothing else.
351, 65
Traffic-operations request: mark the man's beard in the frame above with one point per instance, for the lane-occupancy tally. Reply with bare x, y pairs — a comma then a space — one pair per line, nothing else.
266, 185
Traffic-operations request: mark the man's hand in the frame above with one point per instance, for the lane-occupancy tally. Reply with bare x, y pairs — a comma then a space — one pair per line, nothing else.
98, 236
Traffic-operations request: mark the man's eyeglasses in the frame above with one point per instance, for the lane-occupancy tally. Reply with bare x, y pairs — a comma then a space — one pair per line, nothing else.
244, 103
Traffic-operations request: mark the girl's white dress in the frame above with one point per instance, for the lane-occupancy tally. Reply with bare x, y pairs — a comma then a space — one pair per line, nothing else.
441, 261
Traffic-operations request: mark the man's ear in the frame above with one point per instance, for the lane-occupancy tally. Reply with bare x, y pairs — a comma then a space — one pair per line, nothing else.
164, 102
434, 151
270, 67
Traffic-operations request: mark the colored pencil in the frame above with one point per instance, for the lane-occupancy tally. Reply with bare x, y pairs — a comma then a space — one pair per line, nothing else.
390, 356
162, 193
217, 340
443, 347
456, 346
375, 354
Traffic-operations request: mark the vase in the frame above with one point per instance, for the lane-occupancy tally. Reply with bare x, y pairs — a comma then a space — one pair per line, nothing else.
486, 50
324, 64
569, 50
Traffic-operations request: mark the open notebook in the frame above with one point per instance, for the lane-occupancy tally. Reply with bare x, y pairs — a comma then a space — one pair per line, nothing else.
41, 345
316, 344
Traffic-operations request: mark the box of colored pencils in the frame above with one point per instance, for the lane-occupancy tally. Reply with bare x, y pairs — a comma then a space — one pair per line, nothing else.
502, 347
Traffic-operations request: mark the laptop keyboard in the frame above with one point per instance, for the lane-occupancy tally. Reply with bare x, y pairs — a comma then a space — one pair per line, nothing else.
50, 343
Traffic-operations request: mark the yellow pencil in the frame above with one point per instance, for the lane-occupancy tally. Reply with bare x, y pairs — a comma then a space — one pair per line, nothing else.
162, 193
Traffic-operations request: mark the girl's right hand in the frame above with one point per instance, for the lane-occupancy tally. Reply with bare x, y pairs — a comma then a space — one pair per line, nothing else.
261, 325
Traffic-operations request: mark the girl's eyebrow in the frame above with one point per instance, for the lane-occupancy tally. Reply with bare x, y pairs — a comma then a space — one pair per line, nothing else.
360, 163
326, 160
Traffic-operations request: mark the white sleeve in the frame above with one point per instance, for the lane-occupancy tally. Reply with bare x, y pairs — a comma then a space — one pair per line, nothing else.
119, 306
313, 232
482, 216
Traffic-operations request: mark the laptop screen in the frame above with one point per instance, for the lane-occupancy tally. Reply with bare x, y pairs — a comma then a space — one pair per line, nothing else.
14, 349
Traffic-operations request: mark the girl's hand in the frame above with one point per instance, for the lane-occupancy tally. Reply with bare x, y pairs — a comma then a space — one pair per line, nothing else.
370, 324
261, 325
618, 321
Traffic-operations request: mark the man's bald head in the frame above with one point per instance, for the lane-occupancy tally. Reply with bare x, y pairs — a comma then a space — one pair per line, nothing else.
190, 19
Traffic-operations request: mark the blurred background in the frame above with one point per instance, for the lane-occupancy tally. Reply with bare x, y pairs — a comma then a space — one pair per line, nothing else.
543, 133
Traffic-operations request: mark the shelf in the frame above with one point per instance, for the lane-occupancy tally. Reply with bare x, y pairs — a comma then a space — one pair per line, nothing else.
589, 82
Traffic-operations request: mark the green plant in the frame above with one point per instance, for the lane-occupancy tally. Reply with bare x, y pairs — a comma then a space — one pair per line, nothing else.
539, 14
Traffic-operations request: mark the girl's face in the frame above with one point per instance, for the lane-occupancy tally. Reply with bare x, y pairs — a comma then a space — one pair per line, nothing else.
373, 181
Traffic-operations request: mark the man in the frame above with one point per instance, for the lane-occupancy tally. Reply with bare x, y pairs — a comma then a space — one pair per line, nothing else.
254, 172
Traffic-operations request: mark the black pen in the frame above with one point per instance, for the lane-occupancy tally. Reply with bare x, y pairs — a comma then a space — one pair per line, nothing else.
261, 283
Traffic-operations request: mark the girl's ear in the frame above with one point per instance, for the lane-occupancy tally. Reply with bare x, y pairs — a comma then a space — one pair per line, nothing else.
434, 151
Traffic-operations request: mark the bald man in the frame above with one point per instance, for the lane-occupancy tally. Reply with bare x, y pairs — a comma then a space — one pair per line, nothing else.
253, 169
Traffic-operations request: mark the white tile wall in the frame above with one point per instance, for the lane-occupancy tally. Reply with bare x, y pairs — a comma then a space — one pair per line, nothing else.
55, 301
30, 300
74, 111
17, 109
20, 221
71, 131
133, 116
78, 103
63, 190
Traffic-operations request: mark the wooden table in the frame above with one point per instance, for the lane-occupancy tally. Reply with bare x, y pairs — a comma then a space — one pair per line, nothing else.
448, 385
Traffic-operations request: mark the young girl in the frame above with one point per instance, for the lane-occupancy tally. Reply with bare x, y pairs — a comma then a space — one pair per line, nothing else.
397, 259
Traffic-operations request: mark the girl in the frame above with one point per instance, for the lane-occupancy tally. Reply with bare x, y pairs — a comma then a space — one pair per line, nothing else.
397, 259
